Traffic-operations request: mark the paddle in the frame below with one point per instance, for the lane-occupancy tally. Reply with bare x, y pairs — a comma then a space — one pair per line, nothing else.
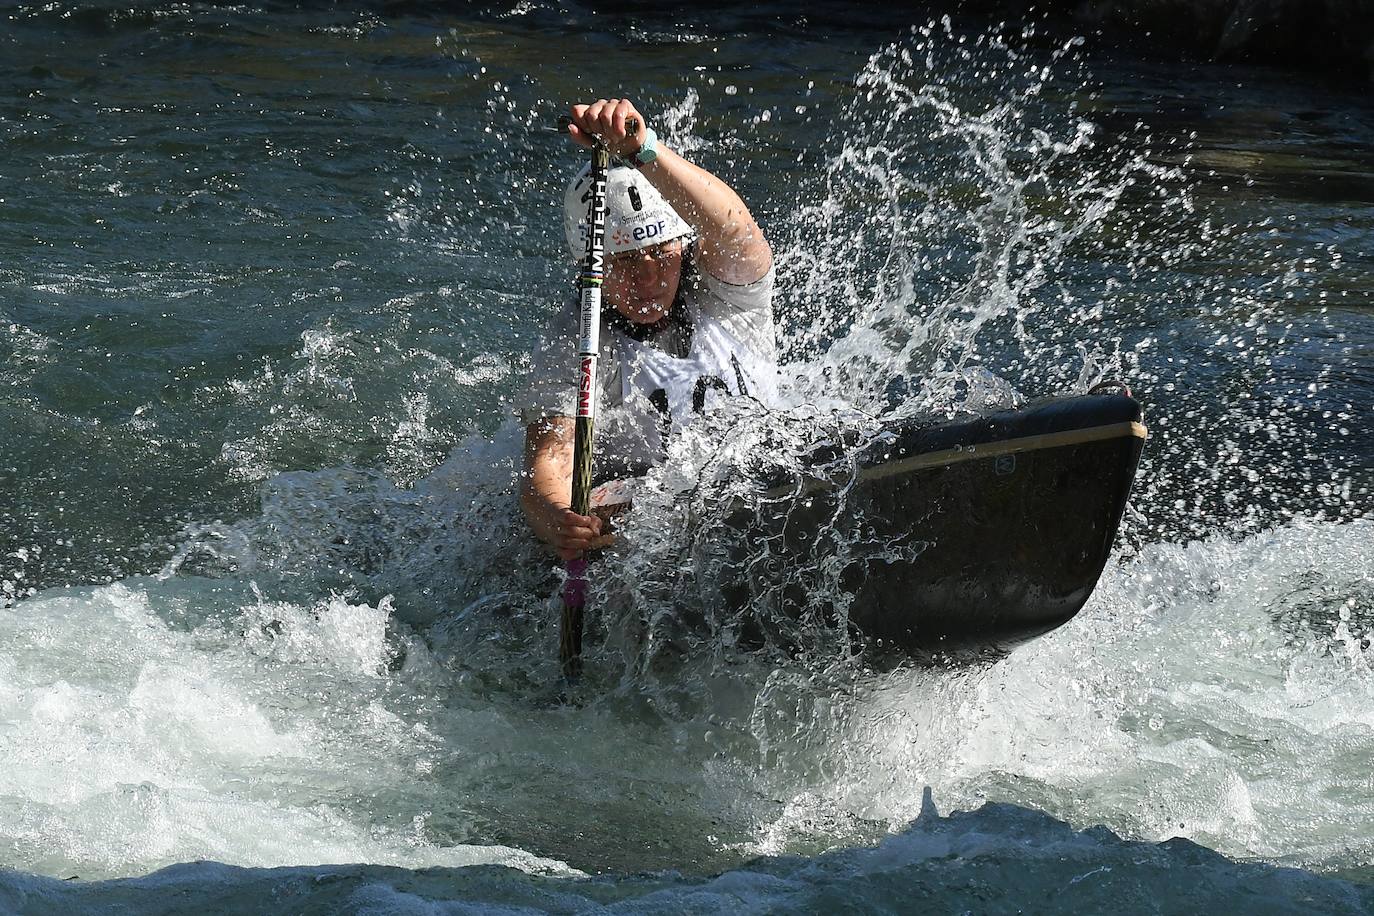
588, 349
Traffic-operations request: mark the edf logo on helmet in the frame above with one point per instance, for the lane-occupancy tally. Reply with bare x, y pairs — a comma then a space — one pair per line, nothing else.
623, 235
639, 234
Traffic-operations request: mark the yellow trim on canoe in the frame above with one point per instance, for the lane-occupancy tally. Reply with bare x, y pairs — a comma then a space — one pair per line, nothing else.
949, 456
1005, 447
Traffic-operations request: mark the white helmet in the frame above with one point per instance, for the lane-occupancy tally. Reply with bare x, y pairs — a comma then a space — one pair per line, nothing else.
636, 214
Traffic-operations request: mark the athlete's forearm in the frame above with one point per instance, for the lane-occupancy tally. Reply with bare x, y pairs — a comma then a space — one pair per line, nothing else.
731, 246
548, 475
547, 487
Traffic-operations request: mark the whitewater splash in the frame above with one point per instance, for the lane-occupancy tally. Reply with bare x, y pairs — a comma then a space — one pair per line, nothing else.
1219, 692
949, 231
152, 722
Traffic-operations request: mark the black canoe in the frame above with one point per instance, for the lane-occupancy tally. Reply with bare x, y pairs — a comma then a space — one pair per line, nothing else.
1007, 519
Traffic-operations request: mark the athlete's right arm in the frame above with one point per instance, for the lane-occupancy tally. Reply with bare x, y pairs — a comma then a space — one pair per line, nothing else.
547, 487
731, 247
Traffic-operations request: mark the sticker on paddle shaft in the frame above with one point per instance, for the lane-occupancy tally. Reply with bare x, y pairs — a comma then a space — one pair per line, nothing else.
589, 334
593, 265
586, 388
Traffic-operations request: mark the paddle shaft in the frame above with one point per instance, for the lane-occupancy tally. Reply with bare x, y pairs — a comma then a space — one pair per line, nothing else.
584, 422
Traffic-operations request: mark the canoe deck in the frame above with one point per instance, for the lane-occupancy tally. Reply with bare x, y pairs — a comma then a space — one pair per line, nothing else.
999, 526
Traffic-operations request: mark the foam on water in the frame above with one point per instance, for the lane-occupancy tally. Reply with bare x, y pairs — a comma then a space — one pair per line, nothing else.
149, 723
1208, 692
1219, 691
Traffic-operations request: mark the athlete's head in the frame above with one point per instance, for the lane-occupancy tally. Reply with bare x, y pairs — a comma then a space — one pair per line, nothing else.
645, 241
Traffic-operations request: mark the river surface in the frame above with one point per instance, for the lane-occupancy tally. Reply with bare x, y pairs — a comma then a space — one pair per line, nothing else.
273, 635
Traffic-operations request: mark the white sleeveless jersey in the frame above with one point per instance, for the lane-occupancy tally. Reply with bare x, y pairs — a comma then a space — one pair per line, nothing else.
646, 391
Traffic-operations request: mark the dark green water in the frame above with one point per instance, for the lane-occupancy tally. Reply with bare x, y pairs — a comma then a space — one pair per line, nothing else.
215, 220
270, 279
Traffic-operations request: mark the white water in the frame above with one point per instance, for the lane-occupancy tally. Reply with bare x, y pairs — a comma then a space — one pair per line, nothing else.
1219, 691
149, 722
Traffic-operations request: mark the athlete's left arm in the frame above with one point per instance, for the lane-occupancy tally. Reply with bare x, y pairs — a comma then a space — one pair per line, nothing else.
730, 245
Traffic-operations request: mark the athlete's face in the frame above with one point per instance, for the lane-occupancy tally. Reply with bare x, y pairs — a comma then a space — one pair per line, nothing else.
642, 284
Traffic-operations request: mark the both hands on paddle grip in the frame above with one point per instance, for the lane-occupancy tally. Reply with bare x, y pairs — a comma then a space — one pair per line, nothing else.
664, 214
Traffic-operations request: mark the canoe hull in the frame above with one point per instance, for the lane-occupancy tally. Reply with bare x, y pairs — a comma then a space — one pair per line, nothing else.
1002, 524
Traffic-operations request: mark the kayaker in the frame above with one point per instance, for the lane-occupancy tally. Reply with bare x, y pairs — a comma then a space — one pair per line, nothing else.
687, 315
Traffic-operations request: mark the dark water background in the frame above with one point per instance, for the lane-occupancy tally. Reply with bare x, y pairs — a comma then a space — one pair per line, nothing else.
245, 245
190, 190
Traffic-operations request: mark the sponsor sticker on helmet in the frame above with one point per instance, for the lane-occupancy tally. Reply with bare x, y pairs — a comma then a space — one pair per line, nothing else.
644, 233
